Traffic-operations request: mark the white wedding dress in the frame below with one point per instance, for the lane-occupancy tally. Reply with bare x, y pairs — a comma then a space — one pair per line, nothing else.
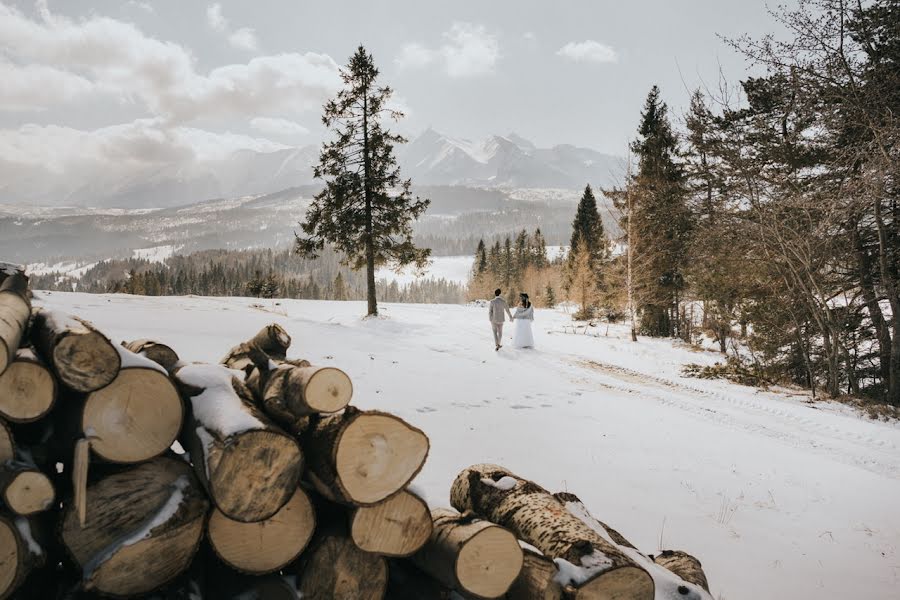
523, 337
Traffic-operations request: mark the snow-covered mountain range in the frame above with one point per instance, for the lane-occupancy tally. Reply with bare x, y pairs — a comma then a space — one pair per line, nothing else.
430, 159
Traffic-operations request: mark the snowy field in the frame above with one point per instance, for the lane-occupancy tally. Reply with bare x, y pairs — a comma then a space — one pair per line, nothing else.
780, 499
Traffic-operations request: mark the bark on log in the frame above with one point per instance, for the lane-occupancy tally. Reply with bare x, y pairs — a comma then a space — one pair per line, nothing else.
683, 565
272, 341
81, 357
249, 466
7, 448
600, 569
158, 352
20, 553
470, 555
362, 457
538, 579
15, 311
27, 388
24, 489
406, 582
264, 546
398, 526
293, 390
143, 528
333, 568
7, 269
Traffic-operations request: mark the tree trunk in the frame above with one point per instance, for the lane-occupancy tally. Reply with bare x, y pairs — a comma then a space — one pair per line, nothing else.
333, 568
158, 352
137, 416
599, 569
398, 526
24, 489
15, 310
27, 388
362, 457
470, 555
19, 554
865, 269
367, 192
684, 566
292, 391
249, 466
81, 357
143, 528
537, 581
264, 546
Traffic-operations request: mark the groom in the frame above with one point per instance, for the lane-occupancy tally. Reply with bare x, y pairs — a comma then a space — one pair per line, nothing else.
495, 313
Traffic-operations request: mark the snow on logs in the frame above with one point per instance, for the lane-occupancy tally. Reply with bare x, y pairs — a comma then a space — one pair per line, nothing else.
15, 311
362, 457
248, 465
143, 528
27, 388
470, 555
158, 352
82, 358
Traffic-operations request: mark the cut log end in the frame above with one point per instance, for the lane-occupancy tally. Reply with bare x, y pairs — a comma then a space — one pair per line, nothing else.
19, 554
623, 583
86, 362
9, 557
326, 389
264, 546
28, 492
27, 389
158, 352
377, 455
489, 562
398, 526
134, 418
335, 569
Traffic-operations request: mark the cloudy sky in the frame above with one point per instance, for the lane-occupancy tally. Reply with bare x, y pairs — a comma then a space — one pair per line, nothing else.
137, 81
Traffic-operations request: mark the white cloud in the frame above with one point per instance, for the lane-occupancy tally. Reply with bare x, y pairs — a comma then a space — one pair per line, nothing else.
469, 50
244, 38
35, 87
590, 51
144, 6
215, 18
273, 126
120, 60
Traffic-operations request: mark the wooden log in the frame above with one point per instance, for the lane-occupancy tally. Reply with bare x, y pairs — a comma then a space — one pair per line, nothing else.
362, 457
248, 465
7, 447
20, 553
291, 391
158, 352
272, 342
470, 555
406, 582
137, 416
143, 527
24, 489
264, 546
398, 526
27, 388
81, 357
597, 568
333, 568
15, 311
538, 578
683, 565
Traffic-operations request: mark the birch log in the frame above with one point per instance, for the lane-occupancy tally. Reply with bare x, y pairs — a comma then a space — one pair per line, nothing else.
81, 357
272, 341
249, 466
362, 457
538, 579
143, 527
683, 565
27, 388
15, 311
470, 555
158, 352
600, 569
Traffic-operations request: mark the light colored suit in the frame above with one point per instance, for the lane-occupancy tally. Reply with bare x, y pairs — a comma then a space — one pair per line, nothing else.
498, 309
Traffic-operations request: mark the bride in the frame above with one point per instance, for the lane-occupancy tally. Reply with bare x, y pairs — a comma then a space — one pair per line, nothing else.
523, 318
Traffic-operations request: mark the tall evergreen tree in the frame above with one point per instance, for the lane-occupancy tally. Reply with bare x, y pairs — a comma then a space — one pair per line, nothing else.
366, 209
587, 229
481, 261
660, 221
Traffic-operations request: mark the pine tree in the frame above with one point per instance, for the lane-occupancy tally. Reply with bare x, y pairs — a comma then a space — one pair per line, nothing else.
254, 286
481, 261
587, 228
660, 222
550, 296
269, 287
539, 250
366, 209
508, 265
582, 281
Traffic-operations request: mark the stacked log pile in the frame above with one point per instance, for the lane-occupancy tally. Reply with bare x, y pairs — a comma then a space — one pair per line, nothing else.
126, 472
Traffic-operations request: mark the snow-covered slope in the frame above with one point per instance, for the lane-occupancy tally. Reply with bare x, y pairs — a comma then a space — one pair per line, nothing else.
779, 498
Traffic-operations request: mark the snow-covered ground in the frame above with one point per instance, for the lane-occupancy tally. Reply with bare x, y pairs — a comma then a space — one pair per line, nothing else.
451, 268
779, 498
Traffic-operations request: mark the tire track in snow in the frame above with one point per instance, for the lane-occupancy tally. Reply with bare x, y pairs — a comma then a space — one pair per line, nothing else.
858, 450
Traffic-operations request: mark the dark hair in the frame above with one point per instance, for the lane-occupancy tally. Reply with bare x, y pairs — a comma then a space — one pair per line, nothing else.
498, 291
525, 299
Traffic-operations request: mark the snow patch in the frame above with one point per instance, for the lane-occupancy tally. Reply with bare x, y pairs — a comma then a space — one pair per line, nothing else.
218, 407
156, 254
24, 528
505, 483
591, 565
133, 360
